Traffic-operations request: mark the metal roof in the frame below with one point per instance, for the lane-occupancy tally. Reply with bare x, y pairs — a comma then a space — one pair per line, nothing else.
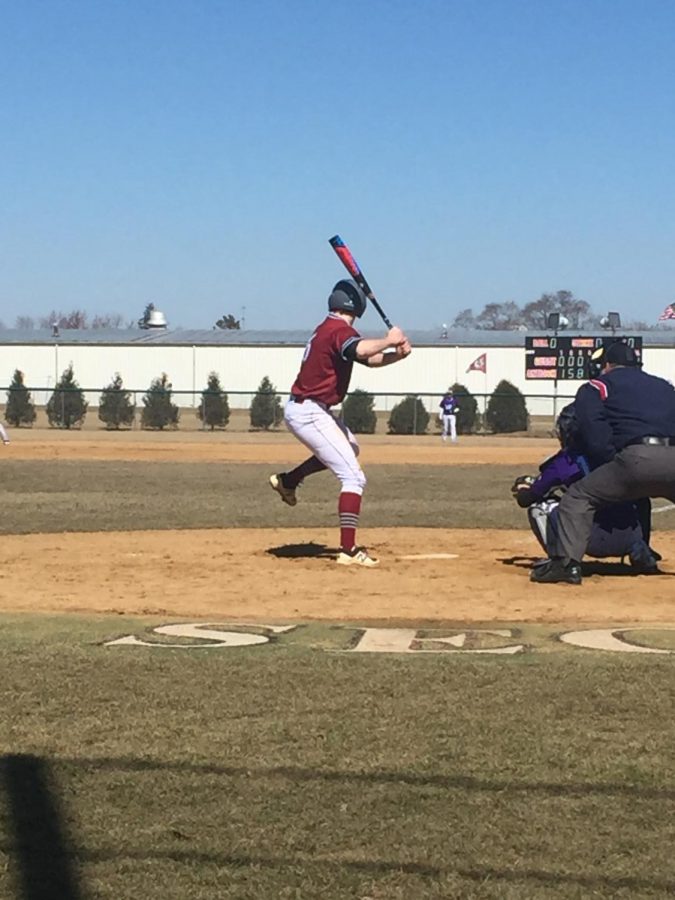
660, 337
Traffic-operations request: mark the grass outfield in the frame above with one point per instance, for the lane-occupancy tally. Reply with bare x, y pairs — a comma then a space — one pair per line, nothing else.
286, 772
90, 496
54, 496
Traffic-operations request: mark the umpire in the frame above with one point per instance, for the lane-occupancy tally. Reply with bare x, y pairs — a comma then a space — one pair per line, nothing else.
627, 423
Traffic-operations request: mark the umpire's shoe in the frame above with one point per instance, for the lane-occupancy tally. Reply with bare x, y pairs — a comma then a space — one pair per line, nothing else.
286, 494
556, 570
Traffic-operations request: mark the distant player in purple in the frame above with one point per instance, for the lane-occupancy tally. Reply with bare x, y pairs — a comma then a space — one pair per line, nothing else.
322, 382
618, 530
449, 409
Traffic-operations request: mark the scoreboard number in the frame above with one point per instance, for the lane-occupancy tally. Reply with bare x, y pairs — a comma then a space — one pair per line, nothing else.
566, 358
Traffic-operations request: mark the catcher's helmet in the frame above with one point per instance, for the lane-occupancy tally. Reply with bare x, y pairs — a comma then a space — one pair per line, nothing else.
566, 426
347, 296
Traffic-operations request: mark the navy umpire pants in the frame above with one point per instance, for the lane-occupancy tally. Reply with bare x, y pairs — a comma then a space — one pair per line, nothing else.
637, 471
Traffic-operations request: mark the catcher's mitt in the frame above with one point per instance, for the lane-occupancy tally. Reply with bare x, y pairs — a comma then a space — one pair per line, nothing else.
521, 490
522, 483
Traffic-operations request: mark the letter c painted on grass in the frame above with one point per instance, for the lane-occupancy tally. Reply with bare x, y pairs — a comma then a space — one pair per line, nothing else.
612, 639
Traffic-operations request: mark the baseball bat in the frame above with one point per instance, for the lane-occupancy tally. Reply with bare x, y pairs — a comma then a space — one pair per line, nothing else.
354, 270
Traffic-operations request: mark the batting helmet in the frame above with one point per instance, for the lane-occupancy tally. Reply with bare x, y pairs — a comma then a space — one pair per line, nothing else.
347, 296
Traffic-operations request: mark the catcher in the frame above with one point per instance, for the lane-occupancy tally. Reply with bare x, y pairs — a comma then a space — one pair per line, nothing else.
619, 530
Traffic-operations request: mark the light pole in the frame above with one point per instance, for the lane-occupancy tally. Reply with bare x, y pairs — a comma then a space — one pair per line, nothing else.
612, 321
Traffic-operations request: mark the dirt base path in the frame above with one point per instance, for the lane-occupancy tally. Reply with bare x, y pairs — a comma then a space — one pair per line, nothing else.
273, 448
281, 575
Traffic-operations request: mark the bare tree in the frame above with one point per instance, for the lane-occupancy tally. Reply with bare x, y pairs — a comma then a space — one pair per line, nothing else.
500, 316
73, 320
464, 319
107, 320
25, 323
228, 323
577, 311
52, 318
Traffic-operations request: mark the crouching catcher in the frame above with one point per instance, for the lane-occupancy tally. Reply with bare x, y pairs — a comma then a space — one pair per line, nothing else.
622, 529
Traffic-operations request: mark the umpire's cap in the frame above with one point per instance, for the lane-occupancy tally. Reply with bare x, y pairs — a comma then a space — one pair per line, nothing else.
617, 354
620, 354
347, 296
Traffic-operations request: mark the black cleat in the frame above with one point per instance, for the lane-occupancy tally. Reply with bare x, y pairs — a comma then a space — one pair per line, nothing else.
643, 560
556, 571
287, 494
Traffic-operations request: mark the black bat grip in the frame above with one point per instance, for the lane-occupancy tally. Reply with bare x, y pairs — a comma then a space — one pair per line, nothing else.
377, 306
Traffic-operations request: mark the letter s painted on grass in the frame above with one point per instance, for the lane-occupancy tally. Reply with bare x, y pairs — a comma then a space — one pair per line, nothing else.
207, 634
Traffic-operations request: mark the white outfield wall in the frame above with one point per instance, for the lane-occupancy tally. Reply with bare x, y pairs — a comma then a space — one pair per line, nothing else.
427, 372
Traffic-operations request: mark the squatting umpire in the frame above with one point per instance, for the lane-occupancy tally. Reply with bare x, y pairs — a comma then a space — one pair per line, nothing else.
627, 423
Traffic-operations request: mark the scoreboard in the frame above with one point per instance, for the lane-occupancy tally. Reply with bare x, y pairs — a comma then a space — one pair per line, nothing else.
565, 358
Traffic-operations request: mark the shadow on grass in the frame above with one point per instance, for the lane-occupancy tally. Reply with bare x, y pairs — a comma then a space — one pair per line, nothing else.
450, 782
42, 849
302, 551
45, 854
385, 867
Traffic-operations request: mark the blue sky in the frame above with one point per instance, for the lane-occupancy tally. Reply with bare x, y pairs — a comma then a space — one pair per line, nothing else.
199, 154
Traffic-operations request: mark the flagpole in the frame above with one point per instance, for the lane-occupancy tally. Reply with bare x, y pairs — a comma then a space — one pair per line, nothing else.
480, 365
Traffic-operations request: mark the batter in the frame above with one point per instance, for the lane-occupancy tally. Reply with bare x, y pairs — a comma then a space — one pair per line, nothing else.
322, 382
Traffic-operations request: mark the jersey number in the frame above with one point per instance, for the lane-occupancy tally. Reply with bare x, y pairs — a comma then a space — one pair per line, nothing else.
308, 348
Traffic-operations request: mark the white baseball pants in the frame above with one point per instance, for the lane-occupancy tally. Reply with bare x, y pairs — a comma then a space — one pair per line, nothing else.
450, 425
329, 439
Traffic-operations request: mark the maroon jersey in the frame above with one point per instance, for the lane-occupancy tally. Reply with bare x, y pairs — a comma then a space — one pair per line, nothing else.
325, 371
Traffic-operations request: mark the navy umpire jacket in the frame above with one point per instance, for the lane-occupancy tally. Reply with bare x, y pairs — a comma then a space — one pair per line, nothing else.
620, 408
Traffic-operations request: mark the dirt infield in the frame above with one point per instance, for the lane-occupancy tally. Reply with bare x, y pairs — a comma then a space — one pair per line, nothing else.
275, 447
281, 575
289, 574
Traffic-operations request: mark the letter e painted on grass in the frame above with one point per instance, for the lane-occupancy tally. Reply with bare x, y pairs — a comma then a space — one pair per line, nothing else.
400, 640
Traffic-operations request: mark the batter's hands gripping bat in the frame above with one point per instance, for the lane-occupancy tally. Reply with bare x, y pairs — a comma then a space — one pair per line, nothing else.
354, 270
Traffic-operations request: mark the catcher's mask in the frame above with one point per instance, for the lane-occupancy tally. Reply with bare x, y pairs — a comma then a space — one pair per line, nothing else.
566, 427
347, 296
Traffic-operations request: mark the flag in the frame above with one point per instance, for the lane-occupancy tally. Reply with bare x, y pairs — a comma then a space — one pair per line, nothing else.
668, 313
479, 365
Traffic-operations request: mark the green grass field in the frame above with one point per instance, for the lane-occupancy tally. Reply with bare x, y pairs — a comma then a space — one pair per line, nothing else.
109, 496
290, 771
286, 772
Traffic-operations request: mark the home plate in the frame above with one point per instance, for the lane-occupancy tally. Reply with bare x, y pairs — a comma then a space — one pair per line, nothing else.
430, 556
